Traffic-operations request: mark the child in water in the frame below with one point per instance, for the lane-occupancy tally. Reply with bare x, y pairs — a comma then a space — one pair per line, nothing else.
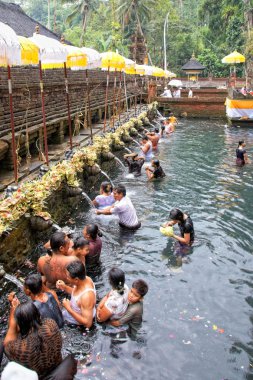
106, 198
114, 304
80, 249
134, 312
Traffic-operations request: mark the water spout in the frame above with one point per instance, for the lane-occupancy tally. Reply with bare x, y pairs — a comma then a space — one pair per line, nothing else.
128, 150
56, 227
86, 196
136, 142
14, 280
120, 162
159, 114
107, 176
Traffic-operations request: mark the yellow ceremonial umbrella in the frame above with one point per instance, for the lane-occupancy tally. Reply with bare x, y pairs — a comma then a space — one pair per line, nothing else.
111, 60
157, 72
76, 60
169, 74
93, 56
233, 59
139, 70
10, 54
29, 51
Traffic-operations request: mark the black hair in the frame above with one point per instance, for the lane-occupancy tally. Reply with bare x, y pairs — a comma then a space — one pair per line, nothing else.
145, 138
163, 127
28, 319
117, 279
57, 241
93, 231
80, 242
156, 162
106, 187
141, 286
120, 189
34, 283
176, 214
76, 269
157, 130
240, 143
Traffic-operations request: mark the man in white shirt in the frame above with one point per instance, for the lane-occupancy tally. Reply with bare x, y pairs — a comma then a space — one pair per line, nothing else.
123, 208
167, 93
190, 94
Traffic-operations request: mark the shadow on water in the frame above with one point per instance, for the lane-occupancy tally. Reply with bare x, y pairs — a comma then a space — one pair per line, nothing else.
198, 313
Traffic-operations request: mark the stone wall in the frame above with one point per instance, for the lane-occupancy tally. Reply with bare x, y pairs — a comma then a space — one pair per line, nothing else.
208, 108
27, 105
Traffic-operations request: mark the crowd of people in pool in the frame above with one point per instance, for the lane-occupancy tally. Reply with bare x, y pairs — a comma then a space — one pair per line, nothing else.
33, 342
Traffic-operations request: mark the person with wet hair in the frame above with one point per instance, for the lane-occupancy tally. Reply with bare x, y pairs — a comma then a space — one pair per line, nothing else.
134, 163
241, 154
92, 233
105, 198
114, 304
154, 137
155, 171
80, 249
46, 301
67, 231
171, 123
31, 341
123, 208
134, 312
54, 268
146, 149
80, 309
185, 225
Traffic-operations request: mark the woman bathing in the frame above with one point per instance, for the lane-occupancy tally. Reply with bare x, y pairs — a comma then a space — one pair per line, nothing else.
93, 235
31, 341
185, 225
241, 154
106, 198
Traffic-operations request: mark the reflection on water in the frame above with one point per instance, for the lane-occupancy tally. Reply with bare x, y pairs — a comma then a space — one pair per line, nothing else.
198, 316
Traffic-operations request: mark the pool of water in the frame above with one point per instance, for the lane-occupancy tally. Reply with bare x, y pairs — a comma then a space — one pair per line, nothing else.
198, 316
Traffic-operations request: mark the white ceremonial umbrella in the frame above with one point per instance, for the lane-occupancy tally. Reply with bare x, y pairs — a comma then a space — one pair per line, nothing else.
176, 83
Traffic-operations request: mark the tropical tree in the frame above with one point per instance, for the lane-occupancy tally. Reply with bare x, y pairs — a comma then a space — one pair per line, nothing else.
134, 12
81, 10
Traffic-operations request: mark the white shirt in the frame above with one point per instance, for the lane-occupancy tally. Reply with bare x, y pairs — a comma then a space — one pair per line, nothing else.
117, 303
167, 94
126, 212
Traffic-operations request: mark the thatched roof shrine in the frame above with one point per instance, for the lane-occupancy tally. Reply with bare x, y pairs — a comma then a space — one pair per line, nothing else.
13, 15
193, 65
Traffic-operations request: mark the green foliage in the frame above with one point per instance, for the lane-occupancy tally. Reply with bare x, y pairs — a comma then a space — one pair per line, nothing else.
210, 28
213, 64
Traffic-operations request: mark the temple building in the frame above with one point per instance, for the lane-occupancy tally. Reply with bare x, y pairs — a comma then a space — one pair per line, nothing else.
193, 69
